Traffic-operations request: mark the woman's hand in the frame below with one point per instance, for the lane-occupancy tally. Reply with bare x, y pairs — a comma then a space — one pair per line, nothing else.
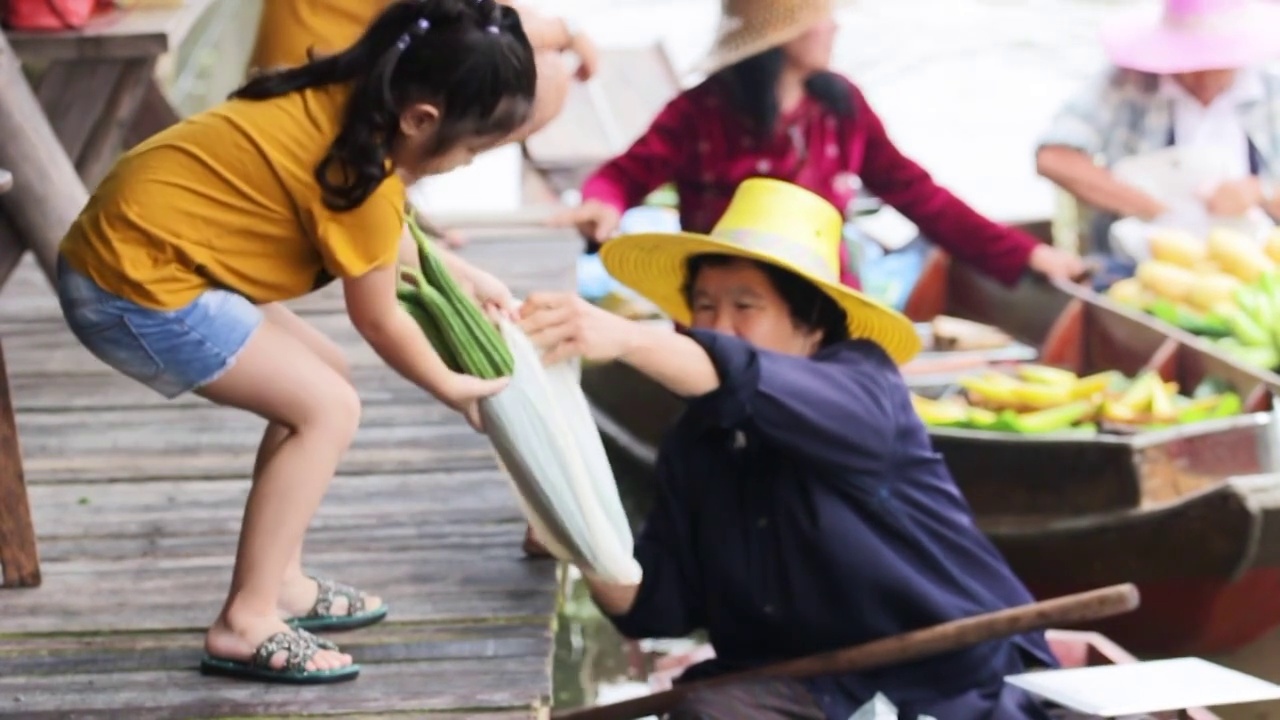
588, 56
564, 325
1055, 264
1234, 197
593, 219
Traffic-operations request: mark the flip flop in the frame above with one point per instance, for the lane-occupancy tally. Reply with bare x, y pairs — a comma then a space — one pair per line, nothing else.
321, 616
300, 647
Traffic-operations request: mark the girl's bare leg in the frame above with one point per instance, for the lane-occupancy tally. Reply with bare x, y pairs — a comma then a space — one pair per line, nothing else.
280, 378
298, 592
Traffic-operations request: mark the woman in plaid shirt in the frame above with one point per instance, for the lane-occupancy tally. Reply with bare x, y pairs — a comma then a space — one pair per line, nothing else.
1193, 78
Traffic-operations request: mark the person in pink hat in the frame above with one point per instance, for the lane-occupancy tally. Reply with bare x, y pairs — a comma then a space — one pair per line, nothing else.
1187, 74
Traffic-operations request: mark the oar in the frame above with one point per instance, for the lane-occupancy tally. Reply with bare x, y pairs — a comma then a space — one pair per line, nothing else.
896, 649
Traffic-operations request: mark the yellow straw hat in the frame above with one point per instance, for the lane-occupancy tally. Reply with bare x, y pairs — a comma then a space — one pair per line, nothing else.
774, 222
749, 27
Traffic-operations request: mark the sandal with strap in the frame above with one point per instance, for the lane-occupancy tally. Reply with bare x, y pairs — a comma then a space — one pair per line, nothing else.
322, 617
299, 646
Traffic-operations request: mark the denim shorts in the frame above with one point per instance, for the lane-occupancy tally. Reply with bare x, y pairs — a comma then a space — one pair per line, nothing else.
169, 351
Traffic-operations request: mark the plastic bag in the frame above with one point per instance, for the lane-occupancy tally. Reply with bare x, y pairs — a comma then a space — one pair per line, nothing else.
879, 708
542, 429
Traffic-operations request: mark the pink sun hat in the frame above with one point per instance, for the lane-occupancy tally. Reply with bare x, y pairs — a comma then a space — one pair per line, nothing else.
1195, 35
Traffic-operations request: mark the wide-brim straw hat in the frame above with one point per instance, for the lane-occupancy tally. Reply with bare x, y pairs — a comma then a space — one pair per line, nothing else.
749, 27
769, 221
1180, 36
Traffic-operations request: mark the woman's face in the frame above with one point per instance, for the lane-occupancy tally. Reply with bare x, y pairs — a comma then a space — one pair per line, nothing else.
1206, 85
737, 298
811, 52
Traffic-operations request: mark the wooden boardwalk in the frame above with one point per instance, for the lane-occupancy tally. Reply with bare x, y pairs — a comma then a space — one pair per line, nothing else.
137, 502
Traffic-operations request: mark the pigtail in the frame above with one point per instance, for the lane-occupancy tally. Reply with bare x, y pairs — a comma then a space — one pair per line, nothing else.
469, 58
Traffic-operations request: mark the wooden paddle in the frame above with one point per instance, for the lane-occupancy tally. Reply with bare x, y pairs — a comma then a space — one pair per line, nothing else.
896, 649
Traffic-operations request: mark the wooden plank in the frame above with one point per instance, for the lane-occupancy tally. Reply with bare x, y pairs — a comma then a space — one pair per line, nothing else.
107, 141
19, 561
383, 643
114, 35
74, 95
12, 251
441, 456
184, 593
169, 442
32, 393
483, 532
25, 292
170, 510
50, 349
471, 683
155, 113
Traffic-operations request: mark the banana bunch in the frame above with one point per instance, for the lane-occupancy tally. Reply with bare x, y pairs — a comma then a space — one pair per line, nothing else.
1035, 399
1226, 288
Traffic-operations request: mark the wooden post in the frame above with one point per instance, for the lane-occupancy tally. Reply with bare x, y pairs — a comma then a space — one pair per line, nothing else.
19, 563
49, 193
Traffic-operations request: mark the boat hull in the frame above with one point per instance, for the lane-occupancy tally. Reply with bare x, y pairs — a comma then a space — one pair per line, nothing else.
1159, 508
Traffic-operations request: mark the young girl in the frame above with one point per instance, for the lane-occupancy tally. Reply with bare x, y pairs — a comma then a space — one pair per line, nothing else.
174, 272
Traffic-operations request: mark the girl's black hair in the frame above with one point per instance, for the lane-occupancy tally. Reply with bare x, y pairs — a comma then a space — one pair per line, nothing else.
810, 307
469, 58
752, 83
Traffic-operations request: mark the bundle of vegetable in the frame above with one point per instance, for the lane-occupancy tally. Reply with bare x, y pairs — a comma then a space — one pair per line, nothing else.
1226, 288
1040, 399
539, 424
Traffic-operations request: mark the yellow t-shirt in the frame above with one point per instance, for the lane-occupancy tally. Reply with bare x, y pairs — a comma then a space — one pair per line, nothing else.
289, 28
228, 198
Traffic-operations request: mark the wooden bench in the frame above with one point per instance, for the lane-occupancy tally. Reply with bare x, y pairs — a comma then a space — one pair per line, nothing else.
19, 563
98, 84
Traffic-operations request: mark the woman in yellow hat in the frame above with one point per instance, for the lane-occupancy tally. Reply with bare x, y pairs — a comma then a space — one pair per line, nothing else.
800, 506
772, 108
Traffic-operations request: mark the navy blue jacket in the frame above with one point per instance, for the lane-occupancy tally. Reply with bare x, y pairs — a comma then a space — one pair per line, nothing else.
801, 508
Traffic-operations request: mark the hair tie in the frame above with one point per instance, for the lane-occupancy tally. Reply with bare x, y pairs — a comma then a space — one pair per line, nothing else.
417, 30
492, 29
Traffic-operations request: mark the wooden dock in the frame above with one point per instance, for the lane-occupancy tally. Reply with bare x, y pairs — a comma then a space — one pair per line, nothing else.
137, 502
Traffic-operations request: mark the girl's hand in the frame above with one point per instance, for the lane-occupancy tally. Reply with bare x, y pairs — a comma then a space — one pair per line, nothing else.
492, 295
564, 325
463, 393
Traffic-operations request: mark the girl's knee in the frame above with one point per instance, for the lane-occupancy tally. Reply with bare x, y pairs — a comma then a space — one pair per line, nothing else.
336, 412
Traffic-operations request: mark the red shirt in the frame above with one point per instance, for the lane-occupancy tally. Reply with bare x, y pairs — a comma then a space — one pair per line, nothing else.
704, 146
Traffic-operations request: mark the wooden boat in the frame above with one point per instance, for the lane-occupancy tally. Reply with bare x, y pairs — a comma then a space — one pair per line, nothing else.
1073, 648
1190, 514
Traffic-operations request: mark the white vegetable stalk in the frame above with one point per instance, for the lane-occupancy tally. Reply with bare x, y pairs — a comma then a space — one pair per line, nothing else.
542, 429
